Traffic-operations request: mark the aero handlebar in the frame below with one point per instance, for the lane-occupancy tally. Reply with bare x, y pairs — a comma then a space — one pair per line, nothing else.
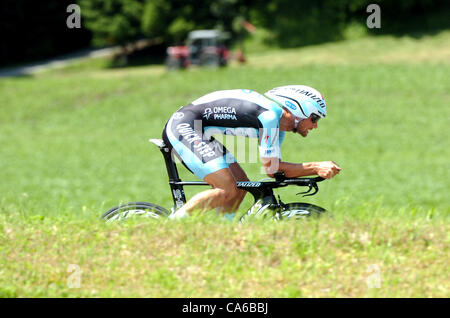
309, 182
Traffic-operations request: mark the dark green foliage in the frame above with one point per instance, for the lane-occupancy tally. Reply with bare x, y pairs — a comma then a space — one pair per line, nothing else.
37, 29
120, 21
32, 29
412, 17
291, 22
112, 21
301, 22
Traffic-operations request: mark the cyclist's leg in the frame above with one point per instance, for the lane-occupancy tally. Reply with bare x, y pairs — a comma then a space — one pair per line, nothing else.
204, 158
233, 196
223, 195
228, 198
239, 175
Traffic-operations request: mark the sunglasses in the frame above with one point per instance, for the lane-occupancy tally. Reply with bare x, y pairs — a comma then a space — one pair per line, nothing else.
314, 118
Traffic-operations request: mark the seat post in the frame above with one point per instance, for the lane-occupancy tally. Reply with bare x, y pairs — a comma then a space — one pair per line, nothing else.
178, 195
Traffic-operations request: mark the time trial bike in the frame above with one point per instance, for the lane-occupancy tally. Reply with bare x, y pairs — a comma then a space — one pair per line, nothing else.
265, 205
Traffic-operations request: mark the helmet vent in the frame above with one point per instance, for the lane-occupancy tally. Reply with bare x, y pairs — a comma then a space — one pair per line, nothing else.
299, 106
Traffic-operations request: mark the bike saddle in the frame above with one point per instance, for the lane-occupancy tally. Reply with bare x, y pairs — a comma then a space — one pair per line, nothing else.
159, 142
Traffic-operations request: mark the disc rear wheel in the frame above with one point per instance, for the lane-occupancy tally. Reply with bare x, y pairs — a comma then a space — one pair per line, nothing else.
135, 209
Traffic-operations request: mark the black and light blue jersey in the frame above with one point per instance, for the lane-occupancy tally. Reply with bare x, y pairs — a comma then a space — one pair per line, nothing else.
241, 112
238, 112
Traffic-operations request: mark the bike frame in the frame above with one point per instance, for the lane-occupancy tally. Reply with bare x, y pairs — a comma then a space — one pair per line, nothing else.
262, 191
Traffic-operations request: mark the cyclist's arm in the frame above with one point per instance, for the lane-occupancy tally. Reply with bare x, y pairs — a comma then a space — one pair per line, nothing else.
291, 170
325, 169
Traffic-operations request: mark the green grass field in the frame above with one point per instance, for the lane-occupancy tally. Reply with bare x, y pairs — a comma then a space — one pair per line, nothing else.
74, 143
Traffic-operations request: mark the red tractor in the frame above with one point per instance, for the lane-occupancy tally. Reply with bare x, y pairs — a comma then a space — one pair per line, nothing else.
203, 48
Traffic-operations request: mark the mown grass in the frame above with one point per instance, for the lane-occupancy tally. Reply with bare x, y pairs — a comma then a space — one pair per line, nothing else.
206, 257
74, 143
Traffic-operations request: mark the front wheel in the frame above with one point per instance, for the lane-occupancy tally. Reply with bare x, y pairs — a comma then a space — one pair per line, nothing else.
135, 209
298, 210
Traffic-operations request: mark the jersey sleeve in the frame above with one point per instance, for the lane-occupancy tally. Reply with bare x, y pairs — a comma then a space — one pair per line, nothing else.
281, 137
270, 134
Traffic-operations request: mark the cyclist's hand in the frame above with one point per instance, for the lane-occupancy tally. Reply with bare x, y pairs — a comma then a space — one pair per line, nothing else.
327, 169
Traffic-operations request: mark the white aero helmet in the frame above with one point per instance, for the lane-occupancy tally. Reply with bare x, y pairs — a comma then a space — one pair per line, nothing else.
300, 100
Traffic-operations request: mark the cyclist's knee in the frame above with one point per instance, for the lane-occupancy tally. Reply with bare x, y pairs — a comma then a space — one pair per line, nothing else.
224, 181
230, 199
238, 173
230, 194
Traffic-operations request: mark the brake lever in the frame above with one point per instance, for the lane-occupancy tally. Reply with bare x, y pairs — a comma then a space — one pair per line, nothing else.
311, 186
316, 189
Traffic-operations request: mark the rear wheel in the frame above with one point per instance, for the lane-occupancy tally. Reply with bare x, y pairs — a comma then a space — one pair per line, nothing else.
298, 210
135, 209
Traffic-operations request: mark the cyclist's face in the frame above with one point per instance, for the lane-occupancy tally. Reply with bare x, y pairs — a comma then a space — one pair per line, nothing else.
305, 126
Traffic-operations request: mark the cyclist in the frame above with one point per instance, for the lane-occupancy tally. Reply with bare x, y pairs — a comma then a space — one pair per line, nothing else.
188, 132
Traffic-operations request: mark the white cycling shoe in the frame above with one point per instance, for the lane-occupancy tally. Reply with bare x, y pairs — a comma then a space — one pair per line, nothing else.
178, 214
181, 213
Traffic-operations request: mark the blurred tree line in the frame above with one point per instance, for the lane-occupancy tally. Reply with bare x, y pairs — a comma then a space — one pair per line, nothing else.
292, 22
32, 29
